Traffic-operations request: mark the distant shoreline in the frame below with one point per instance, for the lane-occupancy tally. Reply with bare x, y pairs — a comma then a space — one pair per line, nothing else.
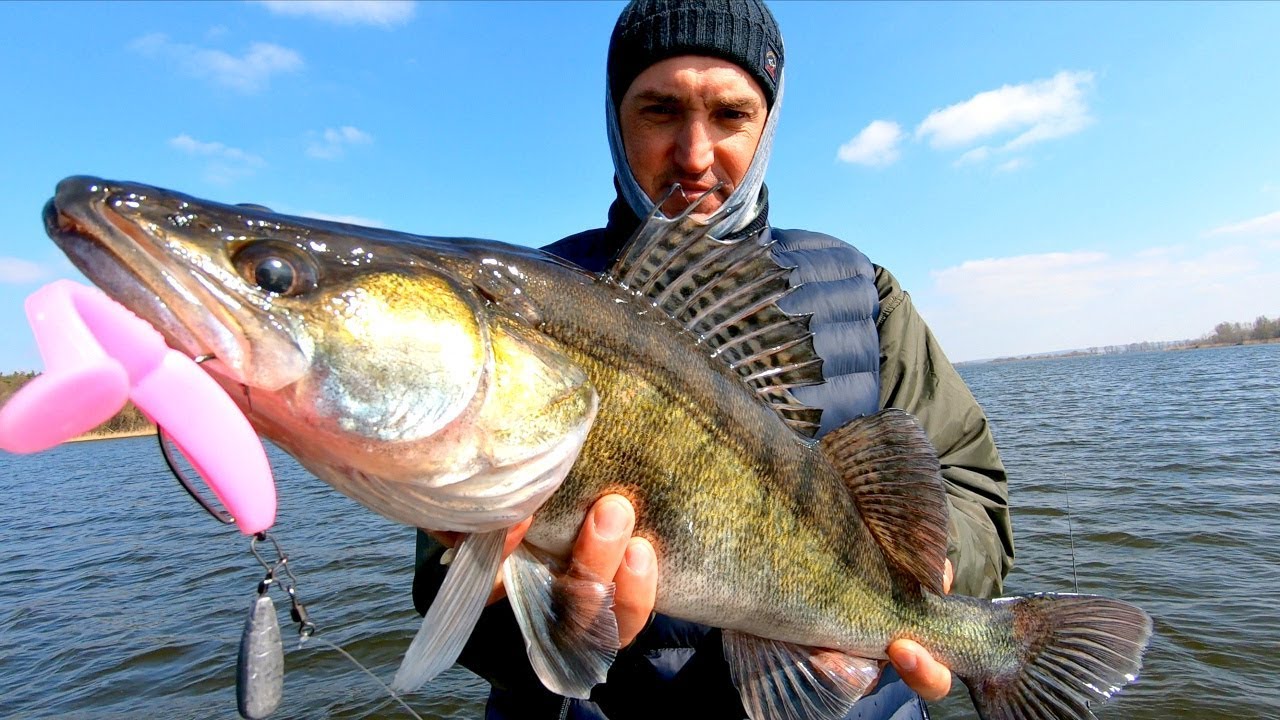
1193, 345
1204, 345
139, 432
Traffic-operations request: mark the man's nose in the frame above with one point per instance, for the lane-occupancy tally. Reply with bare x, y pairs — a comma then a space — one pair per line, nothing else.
695, 149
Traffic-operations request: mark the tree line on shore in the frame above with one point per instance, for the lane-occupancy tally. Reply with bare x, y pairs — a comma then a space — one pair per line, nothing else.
1263, 329
1229, 333
130, 419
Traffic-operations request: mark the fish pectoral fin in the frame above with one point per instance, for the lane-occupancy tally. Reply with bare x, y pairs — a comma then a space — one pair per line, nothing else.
892, 472
778, 679
455, 611
568, 624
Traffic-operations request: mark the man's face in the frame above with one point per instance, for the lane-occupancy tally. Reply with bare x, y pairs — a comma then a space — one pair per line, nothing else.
695, 121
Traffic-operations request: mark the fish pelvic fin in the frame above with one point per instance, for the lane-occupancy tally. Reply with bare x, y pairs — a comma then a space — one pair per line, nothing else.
725, 293
568, 624
782, 681
1075, 650
892, 471
455, 611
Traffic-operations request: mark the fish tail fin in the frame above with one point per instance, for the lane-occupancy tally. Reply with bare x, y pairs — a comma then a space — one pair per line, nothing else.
1070, 651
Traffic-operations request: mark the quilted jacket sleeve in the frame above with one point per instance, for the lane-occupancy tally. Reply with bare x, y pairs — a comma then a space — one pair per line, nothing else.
916, 376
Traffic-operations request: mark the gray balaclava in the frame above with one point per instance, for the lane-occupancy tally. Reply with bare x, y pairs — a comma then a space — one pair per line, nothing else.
740, 31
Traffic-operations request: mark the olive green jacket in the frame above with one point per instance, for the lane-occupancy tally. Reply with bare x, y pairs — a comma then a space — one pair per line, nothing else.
916, 376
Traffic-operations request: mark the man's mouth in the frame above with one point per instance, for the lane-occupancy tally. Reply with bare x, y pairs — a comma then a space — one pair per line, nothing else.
696, 193
692, 191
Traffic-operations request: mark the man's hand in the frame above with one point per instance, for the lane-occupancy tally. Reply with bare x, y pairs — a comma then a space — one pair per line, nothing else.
930, 679
603, 552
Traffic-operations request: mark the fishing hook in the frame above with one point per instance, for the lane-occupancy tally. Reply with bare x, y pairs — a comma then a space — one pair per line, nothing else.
220, 515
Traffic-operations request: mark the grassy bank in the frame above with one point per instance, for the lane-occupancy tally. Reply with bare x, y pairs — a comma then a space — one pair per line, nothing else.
1207, 344
129, 422
114, 434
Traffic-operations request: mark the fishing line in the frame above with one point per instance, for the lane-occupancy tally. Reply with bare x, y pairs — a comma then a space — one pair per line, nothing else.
306, 628
262, 695
366, 671
1071, 538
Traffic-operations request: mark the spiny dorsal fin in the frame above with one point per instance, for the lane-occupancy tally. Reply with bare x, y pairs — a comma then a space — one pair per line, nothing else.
889, 465
726, 293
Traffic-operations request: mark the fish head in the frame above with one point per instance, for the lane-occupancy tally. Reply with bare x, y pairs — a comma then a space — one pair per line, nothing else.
376, 362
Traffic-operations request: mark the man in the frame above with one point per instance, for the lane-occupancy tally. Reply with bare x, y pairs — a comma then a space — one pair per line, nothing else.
694, 89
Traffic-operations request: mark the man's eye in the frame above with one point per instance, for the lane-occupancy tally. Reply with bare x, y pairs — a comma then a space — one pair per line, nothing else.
659, 110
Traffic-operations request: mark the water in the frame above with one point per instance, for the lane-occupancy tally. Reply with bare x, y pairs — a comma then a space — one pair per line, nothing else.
1170, 463
120, 598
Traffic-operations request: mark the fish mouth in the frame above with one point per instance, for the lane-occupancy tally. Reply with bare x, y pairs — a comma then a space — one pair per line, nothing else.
137, 268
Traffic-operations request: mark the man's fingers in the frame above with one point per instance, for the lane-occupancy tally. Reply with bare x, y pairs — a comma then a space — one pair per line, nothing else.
637, 589
515, 535
444, 537
929, 678
606, 552
598, 551
948, 574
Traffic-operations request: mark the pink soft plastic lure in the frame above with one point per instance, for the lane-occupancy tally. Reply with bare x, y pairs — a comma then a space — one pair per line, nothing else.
97, 355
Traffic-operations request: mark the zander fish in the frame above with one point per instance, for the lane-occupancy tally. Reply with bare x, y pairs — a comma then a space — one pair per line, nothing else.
460, 384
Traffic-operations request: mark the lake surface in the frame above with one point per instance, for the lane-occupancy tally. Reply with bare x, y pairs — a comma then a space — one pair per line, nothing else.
119, 597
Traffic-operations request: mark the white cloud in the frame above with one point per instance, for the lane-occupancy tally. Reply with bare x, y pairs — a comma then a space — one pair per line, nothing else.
1012, 165
1035, 111
1265, 225
190, 145
974, 156
1000, 307
384, 13
333, 142
16, 271
225, 163
248, 73
876, 145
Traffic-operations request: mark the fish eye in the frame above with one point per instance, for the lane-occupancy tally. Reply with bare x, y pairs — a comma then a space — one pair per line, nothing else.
277, 268
275, 275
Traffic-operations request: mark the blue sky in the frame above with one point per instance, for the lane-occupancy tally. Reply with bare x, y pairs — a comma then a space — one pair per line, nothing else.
1038, 176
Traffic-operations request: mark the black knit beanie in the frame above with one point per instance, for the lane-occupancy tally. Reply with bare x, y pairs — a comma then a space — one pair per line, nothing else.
740, 31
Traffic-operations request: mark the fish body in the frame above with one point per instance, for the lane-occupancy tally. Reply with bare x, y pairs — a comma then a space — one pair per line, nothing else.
460, 384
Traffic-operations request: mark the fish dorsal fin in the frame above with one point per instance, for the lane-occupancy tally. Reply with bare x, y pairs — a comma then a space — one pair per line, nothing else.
892, 471
726, 292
